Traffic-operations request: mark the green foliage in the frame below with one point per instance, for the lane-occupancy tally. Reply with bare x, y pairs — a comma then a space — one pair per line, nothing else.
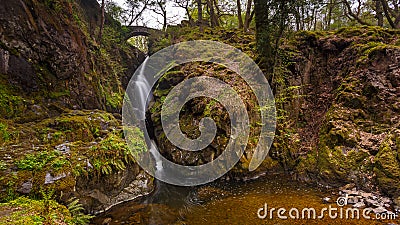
56, 95
10, 105
113, 154
3, 165
40, 160
111, 37
56, 5
76, 210
140, 42
28, 211
4, 134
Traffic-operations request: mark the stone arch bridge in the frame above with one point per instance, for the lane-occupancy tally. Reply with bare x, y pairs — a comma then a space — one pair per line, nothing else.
141, 31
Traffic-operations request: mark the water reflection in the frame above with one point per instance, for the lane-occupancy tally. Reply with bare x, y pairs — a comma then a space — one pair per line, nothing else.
224, 202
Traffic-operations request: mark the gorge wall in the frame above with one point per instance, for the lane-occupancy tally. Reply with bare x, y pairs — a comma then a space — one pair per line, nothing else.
337, 97
61, 92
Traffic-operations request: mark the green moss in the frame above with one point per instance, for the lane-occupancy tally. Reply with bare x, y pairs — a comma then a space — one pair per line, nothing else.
112, 153
80, 125
4, 133
27, 211
40, 160
10, 105
56, 95
114, 100
368, 50
386, 159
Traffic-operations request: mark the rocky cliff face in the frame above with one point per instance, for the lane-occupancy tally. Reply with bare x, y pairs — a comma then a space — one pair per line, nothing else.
337, 96
56, 84
48, 47
350, 81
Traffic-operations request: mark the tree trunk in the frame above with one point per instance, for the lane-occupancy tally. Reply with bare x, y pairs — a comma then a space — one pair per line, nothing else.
353, 15
263, 34
329, 17
102, 20
165, 22
189, 16
213, 16
248, 17
200, 14
379, 12
239, 13
385, 6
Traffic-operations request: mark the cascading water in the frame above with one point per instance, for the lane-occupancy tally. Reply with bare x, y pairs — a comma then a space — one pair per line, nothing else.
157, 158
163, 192
144, 96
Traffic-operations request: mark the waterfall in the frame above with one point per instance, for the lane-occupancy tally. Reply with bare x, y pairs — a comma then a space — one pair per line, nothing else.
143, 97
143, 94
157, 158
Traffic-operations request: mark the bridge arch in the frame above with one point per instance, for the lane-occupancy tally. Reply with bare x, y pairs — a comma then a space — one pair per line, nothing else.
141, 31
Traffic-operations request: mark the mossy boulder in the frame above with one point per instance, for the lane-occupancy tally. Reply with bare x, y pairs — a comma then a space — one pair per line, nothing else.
79, 154
27, 211
199, 108
350, 111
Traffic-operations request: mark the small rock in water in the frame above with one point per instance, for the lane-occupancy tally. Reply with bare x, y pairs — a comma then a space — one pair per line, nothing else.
379, 210
326, 200
366, 195
386, 200
371, 202
352, 200
359, 205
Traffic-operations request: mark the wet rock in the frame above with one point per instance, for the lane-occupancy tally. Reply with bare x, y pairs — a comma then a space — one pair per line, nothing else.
352, 200
397, 201
359, 205
326, 200
385, 200
50, 179
26, 187
63, 148
102, 193
366, 195
379, 210
371, 202
351, 192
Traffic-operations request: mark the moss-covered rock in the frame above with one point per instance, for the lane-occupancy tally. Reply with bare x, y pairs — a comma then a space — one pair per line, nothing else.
387, 164
351, 108
78, 154
27, 211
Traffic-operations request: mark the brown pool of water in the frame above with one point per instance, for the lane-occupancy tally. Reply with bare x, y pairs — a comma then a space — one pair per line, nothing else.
233, 203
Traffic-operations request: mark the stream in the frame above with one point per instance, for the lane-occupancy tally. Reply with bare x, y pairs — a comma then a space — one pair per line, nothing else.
226, 202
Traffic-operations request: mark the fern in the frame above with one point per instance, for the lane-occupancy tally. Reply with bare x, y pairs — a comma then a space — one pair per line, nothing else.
76, 209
